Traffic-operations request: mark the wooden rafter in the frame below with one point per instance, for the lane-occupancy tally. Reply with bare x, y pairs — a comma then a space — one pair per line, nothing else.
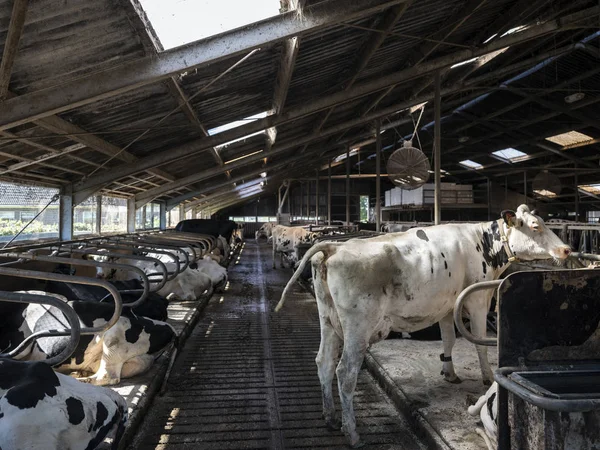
11, 45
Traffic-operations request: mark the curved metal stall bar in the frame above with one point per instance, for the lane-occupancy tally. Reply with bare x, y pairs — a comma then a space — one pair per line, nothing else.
150, 248
135, 250
74, 332
202, 244
155, 261
23, 273
150, 241
197, 237
502, 376
458, 312
84, 262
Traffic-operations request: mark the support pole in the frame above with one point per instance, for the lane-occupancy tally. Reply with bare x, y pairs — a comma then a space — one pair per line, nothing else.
317, 197
301, 200
525, 186
162, 216
308, 200
285, 196
329, 193
181, 212
98, 214
131, 215
489, 199
378, 179
576, 198
348, 185
279, 200
438, 152
66, 215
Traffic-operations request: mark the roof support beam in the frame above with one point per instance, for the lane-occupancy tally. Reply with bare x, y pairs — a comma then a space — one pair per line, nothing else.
193, 148
223, 192
207, 189
11, 45
284, 75
153, 68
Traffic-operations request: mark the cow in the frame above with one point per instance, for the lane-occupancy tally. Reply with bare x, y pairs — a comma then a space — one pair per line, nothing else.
406, 282
125, 350
41, 409
265, 230
287, 239
487, 409
396, 227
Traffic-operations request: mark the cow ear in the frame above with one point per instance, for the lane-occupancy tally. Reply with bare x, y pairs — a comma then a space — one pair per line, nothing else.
510, 218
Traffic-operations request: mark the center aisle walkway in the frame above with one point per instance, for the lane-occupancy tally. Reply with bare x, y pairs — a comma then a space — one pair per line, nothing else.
247, 379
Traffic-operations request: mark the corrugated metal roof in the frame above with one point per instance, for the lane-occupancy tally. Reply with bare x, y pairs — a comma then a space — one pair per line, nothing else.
63, 41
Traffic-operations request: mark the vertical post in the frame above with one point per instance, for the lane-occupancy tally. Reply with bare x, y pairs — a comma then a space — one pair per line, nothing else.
525, 187
577, 198
131, 215
329, 194
317, 197
301, 200
279, 201
65, 220
98, 214
308, 199
378, 179
489, 199
162, 216
348, 185
181, 212
438, 151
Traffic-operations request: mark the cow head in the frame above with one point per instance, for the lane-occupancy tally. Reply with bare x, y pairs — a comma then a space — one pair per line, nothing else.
529, 238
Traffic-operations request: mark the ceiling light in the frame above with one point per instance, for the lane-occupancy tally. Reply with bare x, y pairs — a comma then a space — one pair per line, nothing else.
463, 139
242, 157
263, 175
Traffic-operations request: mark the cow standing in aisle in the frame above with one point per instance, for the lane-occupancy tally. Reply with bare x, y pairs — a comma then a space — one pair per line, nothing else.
406, 282
286, 241
266, 231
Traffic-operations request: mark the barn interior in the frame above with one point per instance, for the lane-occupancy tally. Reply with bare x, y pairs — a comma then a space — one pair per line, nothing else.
109, 129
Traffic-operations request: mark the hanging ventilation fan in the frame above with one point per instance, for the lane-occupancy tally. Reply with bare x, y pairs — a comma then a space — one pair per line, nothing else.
408, 167
546, 184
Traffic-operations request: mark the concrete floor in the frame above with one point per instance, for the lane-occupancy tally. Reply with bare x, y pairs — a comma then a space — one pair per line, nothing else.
414, 369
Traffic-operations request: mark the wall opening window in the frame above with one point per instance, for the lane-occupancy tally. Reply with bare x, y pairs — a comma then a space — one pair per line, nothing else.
364, 208
84, 217
19, 204
114, 215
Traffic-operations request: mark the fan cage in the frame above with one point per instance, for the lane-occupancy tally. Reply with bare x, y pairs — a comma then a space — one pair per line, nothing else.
408, 167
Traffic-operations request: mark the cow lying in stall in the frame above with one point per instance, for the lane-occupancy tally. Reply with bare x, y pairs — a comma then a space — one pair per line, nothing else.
41, 409
223, 230
286, 241
125, 350
406, 282
487, 409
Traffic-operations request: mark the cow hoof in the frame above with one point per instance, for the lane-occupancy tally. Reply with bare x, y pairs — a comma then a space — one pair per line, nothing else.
454, 379
333, 424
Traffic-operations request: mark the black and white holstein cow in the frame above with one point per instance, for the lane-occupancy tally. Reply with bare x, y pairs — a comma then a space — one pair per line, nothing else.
44, 410
286, 241
487, 409
406, 282
125, 350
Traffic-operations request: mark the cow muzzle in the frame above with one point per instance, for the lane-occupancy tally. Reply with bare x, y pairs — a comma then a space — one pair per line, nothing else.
561, 252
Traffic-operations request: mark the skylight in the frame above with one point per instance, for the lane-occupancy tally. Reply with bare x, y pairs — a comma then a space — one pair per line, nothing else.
470, 164
591, 188
342, 157
183, 21
238, 123
242, 157
569, 138
510, 155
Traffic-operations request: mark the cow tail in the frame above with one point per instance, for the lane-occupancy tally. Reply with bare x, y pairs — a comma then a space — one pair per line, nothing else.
328, 248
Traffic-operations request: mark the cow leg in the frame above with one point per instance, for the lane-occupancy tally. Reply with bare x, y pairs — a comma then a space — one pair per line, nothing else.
327, 358
347, 373
136, 366
274, 254
479, 328
448, 339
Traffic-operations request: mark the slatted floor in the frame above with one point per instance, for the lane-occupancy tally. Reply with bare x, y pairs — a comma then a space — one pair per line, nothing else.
247, 379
